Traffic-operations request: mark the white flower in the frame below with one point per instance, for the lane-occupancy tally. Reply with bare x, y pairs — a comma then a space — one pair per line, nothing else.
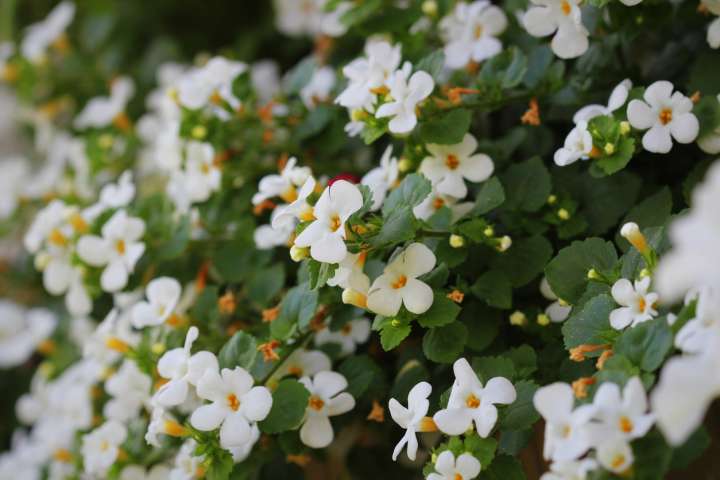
688, 384
21, 331
399, 285
637, 305
620, 417
111, 337
578, 145
283, 185
694, 236
243, 451
236, 405
710, 142
285, 216
366, 74
187, 465
202, 172
308, 17
699, 333
352, 334
566, 436
465, 467
210, 85
39, 36
15, 172
436, 201
713, 33
381, 179
318, 89
100, 448
163, 295
129, 389
557, 311
406, 92
470, 401
120, 194
562, 17
470, 32
617, 99
182, 370
102, 111
327, 399
267, 237
137, 472
118, 250
303, 363
570, 470
350, 274
413, 418
449, 165
615, 456
326, 234
666, 115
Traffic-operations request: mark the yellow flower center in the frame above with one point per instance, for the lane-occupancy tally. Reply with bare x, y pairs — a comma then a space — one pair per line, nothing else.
335, 222
104, 445
233, 402
289, 195
478, 31
346, 329
472, 401
452, 161
400, 282
618, 460
438, 203
565, 433
78, 223
566, 8
56, 237
626, 425
316, 403
62, 455
642, 304
120, 247
666, 116
458, 477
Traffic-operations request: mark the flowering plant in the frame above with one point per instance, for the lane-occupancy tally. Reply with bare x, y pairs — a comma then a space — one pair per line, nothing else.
428, 238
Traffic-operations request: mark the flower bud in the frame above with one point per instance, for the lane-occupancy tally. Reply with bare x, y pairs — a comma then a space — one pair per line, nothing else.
593, 274
457, 241
518, 318
355, 298
563, 214
298, 254
430, 8
198, 132
404, 164
489, 231
632, 234
609, 148
624, 128
551, 199
504, 243
543, 320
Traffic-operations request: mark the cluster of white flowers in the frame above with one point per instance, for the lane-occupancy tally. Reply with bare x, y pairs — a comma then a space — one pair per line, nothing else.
607, 426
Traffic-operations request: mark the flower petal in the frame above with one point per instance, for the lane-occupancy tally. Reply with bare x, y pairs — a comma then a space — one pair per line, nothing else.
235, 431
208, 417
453, 421
554, 402
417, 296
317, 432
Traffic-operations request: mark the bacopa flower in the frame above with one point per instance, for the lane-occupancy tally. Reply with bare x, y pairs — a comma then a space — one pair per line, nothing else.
470, 32
120, 194
697, 335
615, 456
436, 201
102, 111
558, 311
283, 185
210, 85
41, 35
447, 467
118, 249
617, 99
366, 74
710, 142
566, 434
637, 305
406, 92
182, 370
163, 295
303, 363
470, 401
450, 165
202, 172
413, 418
130, 391
327, 399
570, 470
236, 405
620, 416
326, 234
317, 90
578, 145
21, 331
187, 464
381, 179
399, 285
562, 17
349, 336
666, 115
100, 448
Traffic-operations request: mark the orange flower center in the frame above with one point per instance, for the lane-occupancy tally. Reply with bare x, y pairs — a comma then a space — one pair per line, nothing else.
295, 371
316, 403
346, 329
626, 425
452, 161
458, 477
233, 402
78, 223
56, 237
666, 116
289, 195
335, 222
62, 455
642, 304
438, 203
618, 460
472, 401
566, 8
120, 247
400, 282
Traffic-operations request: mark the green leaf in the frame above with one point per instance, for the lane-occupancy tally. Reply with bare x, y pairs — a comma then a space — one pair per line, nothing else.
506, 69
411, 192
314, 123
206, 308
482, 448
490, 196
652, 457
399, 226
591, 324
448, 128
495, 288
178, 241
296, 310
646, 344
220, 466
444, 344
442, 312
319, 273
239, 351
489, 367
527, 185
483, 325
266, 283
524, 359
360, 13
392, 335
567, 272
624, 150
521, 414
290, 399
653, 211
432, 63
360, 372
504, 467
525, 259
300, 76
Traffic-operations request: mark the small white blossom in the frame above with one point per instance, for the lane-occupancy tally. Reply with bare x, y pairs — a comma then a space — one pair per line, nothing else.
101, 447
21, 331
578, 145
413, 418
381, 179
665, 115
100, 112
557, 311
617, 99
470, 32
353, 333
327, 399
130, 391
406, 92
564, 19
466, 467
39, 36
620, 417
637, 305
318, 89
368, 73
570, 470
163, 295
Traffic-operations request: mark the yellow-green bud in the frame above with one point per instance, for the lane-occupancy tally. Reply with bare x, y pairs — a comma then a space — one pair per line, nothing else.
358, 115
644, 273
395, 322
543, 320
609, 148
106, 141
297, 254
563, 214
551, 199
199, 132
158, 348
457, 241
518, 318
624, 128
504, 244
404, 164
489, 231
592, 274
430, 8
